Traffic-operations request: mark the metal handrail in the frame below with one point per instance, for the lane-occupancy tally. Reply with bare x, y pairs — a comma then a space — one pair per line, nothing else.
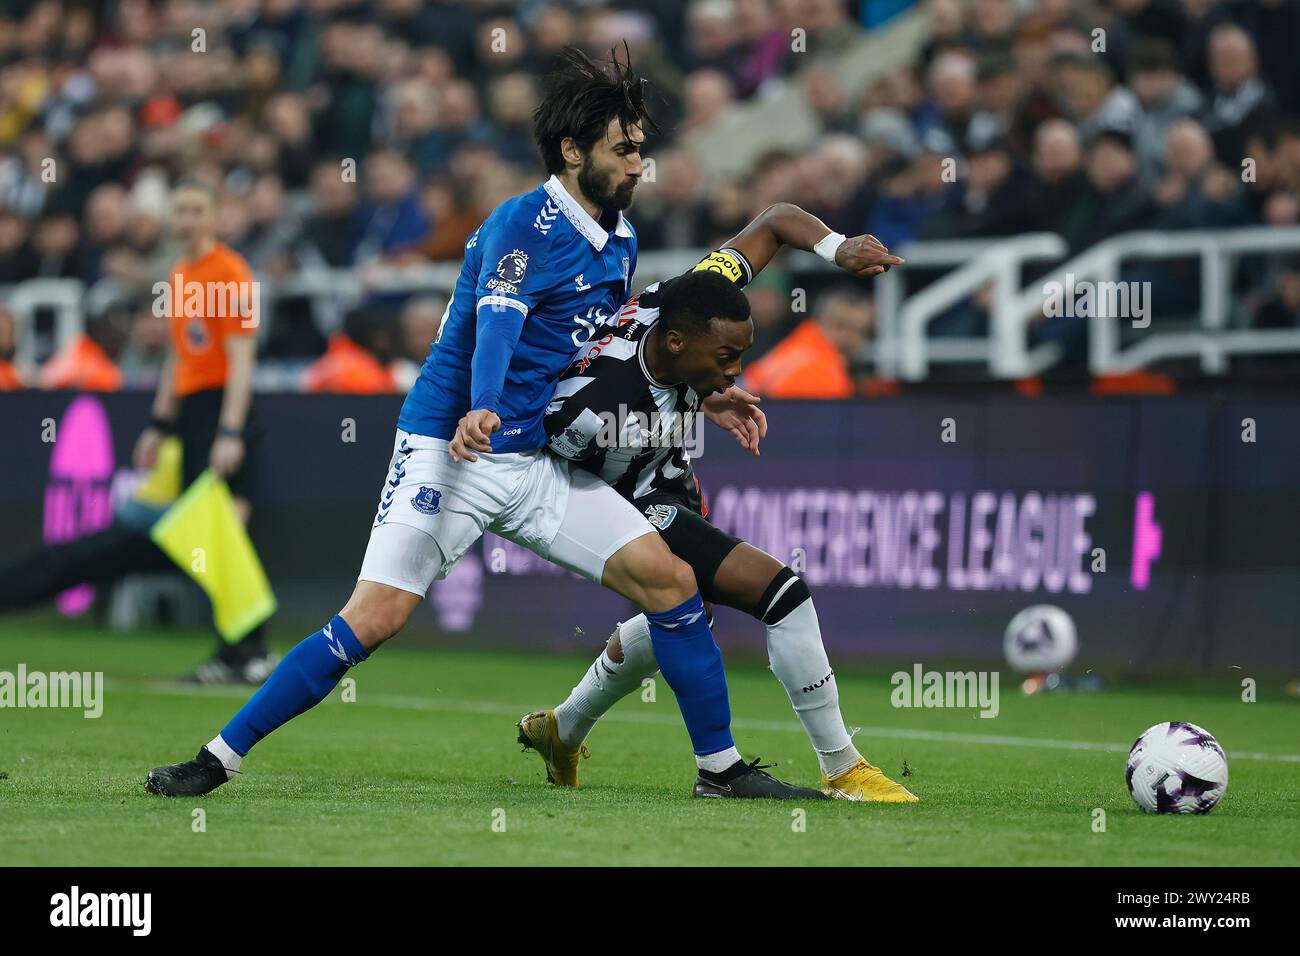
998, 264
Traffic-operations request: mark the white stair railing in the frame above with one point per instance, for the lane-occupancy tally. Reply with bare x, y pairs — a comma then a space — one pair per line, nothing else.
64, 296
1013, 310
1213, 342
994, 262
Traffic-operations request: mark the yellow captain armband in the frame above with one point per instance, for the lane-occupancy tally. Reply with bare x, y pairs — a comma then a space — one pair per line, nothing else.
724, 264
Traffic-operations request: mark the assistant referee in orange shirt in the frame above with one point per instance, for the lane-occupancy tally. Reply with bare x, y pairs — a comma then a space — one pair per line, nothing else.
206, 388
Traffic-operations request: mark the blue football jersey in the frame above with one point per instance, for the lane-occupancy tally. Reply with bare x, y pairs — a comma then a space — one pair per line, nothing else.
540, 276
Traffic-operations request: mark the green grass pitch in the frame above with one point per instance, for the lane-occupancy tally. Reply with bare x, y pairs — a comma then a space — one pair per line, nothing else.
423, 764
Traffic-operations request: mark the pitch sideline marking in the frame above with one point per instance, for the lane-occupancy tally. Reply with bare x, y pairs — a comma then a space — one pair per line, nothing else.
492, 708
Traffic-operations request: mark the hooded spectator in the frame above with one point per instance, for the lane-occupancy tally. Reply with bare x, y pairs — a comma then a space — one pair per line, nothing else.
86, 363
1163, 97
818, 359
352, 363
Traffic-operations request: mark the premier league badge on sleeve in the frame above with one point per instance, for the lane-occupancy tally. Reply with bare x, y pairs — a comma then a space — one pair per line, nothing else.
427, 501
512, 266
510, 272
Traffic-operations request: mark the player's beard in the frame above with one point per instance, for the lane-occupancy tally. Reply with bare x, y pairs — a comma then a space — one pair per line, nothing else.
598, 188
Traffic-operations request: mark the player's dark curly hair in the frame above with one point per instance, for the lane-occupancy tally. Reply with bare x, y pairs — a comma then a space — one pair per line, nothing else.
688, 302
580, 98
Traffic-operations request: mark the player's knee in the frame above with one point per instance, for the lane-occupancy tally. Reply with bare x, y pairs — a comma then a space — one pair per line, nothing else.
649, 574
666, 581
678, 579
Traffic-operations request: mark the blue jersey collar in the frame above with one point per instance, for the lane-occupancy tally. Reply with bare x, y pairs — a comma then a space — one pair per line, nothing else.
581, 219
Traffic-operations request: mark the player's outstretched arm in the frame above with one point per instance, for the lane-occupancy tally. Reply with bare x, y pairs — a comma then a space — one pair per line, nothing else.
785, 224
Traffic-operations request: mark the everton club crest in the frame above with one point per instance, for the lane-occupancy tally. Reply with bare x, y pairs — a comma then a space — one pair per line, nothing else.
427, 501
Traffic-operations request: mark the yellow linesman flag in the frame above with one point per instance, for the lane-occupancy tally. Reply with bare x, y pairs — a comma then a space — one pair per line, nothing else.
202, 533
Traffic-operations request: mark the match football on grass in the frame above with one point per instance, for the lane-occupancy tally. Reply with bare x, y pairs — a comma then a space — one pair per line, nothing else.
708, 434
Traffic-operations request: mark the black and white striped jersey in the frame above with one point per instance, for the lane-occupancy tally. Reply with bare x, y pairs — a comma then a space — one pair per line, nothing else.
612, 417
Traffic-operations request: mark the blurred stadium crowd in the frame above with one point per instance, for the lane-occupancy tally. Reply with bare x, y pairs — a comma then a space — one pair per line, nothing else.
432, 100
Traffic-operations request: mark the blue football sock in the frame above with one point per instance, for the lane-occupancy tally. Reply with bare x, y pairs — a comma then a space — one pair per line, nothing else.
301, 681
691, 663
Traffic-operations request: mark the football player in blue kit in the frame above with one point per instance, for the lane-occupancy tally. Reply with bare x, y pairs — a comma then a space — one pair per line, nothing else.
541, 274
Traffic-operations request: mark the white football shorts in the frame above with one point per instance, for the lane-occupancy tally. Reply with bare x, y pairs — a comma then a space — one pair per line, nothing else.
431, 510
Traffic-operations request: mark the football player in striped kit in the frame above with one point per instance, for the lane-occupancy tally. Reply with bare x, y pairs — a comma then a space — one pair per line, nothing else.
624, 410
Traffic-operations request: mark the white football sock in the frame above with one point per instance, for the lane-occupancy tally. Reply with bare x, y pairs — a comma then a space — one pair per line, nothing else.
606, 683
718, 762
229, 759
798, 658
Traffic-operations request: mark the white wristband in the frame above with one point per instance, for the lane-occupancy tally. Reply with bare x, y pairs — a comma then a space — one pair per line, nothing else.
828, 246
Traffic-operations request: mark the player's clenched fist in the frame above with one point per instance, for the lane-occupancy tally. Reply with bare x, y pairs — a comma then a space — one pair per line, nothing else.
472, 434
865, 256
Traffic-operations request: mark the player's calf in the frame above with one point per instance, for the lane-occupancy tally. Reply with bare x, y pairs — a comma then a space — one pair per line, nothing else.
627, 660
752, 579
304, 678
376, 612
798, 659
645, 571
